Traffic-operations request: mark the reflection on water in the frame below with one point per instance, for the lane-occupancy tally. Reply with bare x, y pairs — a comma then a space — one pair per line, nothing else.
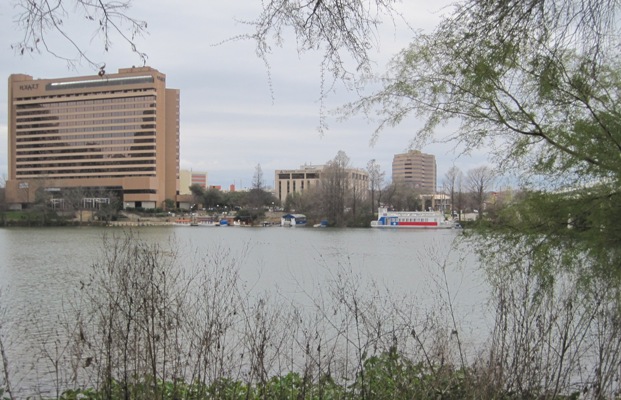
41, 268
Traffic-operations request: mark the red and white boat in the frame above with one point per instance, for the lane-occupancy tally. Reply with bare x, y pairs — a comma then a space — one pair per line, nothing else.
411, 219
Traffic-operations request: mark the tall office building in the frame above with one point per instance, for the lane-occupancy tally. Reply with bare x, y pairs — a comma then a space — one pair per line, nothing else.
415, 169
114, 134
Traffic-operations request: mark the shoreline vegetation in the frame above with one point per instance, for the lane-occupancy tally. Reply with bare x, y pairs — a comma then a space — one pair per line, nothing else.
141, 326
126, 219
139, 219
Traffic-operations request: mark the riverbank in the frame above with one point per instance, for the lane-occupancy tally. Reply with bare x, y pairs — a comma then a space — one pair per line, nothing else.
122, 219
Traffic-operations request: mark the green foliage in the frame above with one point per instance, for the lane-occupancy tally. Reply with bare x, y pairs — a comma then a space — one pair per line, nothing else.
211, 198
289, 386
169, 204
386, 376
259, 198
33, 217
293, 386
545, 111
249, 216
232, 199
577, 224
390, 375
229, 389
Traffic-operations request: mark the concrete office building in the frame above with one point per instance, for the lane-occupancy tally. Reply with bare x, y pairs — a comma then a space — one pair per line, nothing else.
113, 135
289, 181
415, 169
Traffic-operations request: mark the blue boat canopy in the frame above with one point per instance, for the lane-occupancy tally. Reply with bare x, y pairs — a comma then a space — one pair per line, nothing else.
293, 220
296, 216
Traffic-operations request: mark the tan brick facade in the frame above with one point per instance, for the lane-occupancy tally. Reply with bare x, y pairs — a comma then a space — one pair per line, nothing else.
289, 181
415, 169
115, 132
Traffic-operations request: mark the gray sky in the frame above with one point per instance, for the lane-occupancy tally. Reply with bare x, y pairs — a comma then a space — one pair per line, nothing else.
229, 120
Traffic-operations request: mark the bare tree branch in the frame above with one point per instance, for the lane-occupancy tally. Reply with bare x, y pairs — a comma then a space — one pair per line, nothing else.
43, 21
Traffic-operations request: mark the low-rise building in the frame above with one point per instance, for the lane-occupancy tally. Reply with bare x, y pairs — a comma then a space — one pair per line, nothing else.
307, 177
188, 178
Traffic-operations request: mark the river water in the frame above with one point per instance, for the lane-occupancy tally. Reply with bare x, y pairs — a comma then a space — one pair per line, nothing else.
39, 267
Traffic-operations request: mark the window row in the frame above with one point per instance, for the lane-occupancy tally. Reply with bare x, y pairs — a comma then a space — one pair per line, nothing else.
55, 124
118, 155
90, 174
87, 170
63, 117
88, 129
82, 110
40, 136
89, 164
75, 103
84, 140
88, 147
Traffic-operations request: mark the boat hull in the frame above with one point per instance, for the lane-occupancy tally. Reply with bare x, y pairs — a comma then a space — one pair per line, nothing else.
374, 224
411, 220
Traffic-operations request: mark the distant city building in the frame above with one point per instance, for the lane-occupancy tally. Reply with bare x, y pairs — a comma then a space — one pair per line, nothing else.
289, 181
415, 169
189, 178
111, 135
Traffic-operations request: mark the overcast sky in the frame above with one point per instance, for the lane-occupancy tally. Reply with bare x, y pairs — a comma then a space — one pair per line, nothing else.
230, 122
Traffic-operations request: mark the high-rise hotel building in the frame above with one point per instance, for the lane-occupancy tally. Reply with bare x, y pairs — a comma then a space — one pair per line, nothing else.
416, 170
94, 135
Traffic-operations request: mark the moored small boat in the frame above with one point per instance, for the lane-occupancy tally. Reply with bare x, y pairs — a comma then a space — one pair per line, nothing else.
293, 220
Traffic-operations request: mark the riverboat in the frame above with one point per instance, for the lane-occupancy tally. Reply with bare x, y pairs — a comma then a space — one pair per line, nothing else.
411, 220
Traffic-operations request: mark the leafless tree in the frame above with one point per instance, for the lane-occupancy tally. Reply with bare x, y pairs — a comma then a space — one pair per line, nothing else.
479, 181
257, 179
401, 196
334, 187
72, 199
452, 184
376, 179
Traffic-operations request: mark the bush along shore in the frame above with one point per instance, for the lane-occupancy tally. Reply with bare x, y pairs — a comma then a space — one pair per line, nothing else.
141, 326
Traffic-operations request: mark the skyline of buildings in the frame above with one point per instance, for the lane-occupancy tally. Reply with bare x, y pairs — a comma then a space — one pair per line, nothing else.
119, 134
